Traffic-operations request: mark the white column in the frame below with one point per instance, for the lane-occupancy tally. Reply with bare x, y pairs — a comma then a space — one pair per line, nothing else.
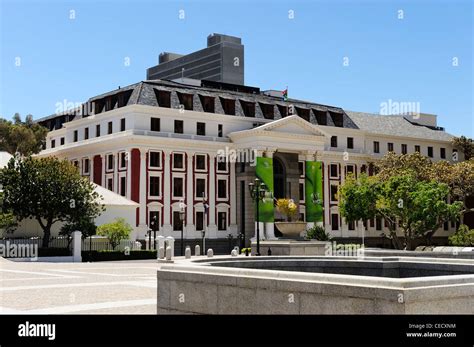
189, 196
212, 229
261, 225
129, 174
233, 200
327, 197
166, 192
270, 227
116, 174
104, 158
309, 156
143, 192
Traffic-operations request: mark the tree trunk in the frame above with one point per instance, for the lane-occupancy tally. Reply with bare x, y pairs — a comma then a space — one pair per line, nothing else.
46, 236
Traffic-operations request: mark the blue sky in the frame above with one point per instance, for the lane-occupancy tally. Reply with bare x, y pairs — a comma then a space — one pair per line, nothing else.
403, 60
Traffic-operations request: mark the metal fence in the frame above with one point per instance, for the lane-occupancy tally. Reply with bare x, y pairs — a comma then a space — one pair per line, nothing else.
103, 244
54, 242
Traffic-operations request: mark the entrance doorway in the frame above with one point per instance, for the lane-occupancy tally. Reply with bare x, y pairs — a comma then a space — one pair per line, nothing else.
279, 179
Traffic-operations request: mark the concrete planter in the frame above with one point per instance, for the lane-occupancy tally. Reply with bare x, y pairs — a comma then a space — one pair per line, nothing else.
291, 229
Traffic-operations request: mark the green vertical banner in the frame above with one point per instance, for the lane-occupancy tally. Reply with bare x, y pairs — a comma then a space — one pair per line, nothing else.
314, 191
264, 172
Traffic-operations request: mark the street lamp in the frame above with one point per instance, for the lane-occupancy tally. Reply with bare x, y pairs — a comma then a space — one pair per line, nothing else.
182, 213
258, 191
203, 231
154, 228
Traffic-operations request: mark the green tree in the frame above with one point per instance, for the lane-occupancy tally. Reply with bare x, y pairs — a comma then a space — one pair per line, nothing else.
21, 137
116, 231
49, 190
85, 225
465, 145
418, 207
463, 237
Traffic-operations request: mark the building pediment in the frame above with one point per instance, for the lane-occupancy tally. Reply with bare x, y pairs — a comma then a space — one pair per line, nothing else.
292, 126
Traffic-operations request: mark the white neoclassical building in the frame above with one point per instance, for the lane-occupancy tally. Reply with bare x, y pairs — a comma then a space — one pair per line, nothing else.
160, 143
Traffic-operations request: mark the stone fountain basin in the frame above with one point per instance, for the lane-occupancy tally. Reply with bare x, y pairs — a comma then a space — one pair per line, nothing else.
291, 229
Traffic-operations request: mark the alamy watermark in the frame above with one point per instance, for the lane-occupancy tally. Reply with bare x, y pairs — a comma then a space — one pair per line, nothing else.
18, 250
391, 107
344, 250
241, 155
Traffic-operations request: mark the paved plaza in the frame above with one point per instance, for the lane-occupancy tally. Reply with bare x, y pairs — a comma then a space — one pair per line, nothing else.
120, 287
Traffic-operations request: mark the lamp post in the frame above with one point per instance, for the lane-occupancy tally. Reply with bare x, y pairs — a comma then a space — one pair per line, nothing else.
203, 232
258, 191
154, 228
182, 213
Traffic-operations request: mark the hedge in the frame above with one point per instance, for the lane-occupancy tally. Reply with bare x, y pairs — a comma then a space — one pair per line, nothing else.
106, 255
54, 252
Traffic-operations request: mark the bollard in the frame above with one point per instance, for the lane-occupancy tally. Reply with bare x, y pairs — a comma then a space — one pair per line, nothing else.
187, 252
168, 253
210, 253
234, 253
161, 253
197, 250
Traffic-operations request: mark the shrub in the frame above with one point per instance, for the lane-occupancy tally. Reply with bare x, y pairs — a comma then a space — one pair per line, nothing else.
116, 231
317, 233
462, 237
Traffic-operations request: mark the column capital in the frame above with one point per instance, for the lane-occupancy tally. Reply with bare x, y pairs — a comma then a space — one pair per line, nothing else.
269, 152
310, 155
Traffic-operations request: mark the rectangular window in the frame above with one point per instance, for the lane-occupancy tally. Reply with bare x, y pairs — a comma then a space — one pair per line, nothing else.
200, 190
155, 124
417, 149
178, 126
372, 223
321, 117
110, 128
221, 221
350, 142
178, 188
177, 222
442, 153
301, 191
334, 170
446, 226
123, 185
75, 135
404, 149
334, 189
376, 147
350, 169
122, 124
378, 224
390, 147
430, 151
334, 221
154, 186
62, 141
86, 133
110, 184
220, 131
207, 103
301, 168
53, 143
186, 100
200, 162
154, 220
110, 162
123, 160
221, 164
201, 129
228, 105
333, 141
199, 221
351, 225
85, 166
222, 189
163, 98
155, 159
97, 130
178, 161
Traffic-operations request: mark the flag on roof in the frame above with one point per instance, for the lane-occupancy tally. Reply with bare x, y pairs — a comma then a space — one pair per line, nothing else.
285, 94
